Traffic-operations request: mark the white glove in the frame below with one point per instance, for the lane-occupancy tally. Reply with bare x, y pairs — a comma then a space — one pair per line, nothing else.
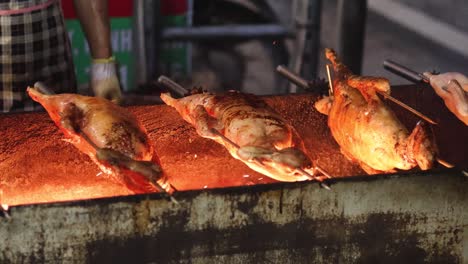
104, 80
452, 87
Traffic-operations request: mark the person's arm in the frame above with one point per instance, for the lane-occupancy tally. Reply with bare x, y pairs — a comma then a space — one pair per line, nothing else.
452, 87
94, 19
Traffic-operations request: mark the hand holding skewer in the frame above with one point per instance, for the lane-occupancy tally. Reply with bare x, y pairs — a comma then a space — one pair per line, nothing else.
298, 80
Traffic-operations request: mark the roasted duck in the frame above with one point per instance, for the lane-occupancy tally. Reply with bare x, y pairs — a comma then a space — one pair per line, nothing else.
110, 135
251, 131
367, 131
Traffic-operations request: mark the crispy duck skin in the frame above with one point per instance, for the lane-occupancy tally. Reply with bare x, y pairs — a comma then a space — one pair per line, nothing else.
367, 131
107, 126
250, 123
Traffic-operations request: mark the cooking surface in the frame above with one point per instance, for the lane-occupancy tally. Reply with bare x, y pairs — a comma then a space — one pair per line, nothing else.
37, 166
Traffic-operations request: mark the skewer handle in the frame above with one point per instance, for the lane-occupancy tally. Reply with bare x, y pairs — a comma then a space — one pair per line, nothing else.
445, 163
292, 77
404, 72
173, 86
43, 88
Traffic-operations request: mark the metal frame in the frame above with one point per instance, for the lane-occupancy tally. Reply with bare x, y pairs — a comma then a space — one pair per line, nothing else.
391, 218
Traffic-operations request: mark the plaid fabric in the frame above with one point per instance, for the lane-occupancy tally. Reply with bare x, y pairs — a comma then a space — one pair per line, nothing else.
19, 4
34, 46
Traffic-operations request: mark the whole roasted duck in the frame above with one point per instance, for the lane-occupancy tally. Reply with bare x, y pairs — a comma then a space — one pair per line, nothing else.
110, 135
250, 130
367, 131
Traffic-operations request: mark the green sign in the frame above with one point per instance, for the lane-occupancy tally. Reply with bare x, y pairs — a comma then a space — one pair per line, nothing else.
121, 37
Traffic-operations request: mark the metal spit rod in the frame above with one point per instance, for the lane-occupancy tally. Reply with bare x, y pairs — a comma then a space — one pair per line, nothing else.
227, 31
404, 72
173, 86
289, 75
4, 207
294, 78
322, 183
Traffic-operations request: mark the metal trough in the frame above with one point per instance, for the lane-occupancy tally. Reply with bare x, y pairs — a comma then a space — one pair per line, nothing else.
414, 218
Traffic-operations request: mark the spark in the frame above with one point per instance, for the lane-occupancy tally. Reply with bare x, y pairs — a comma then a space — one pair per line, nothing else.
206, 186
99, 174
245, 175
261, 178
195, 156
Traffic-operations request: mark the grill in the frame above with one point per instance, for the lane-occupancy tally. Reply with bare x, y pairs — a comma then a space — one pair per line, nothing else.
227, 212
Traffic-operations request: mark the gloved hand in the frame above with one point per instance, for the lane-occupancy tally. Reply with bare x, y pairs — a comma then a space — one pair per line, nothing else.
104, 80
452, 87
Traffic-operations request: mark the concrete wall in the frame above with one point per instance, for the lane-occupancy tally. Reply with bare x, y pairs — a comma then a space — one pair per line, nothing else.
419, 218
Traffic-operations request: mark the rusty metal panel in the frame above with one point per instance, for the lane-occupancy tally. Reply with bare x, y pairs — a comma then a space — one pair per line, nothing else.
406, 218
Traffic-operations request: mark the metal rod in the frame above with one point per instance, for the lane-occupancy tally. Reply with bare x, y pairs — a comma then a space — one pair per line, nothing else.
173, 86
4, 207
41, 87
449, 165
407, 107
330, 83
226, 31
444, 163
141, 55
294, 78
312, 47
404, 72
312, 177
323, 172
296, 58
351, 22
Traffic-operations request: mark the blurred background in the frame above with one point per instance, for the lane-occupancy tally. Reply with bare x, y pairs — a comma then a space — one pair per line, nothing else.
237, 44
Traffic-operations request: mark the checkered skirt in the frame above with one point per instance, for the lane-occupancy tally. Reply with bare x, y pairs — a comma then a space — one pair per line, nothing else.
34, 46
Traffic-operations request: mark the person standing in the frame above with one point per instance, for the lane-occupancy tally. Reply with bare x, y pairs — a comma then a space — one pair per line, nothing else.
34, 46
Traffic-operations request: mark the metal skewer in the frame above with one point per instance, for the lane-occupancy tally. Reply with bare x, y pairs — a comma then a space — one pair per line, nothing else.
173, 86
445, 163
4, 207
407, 107
5, 211
330, 83
410, 75
294, 78
404, 72
322, 183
